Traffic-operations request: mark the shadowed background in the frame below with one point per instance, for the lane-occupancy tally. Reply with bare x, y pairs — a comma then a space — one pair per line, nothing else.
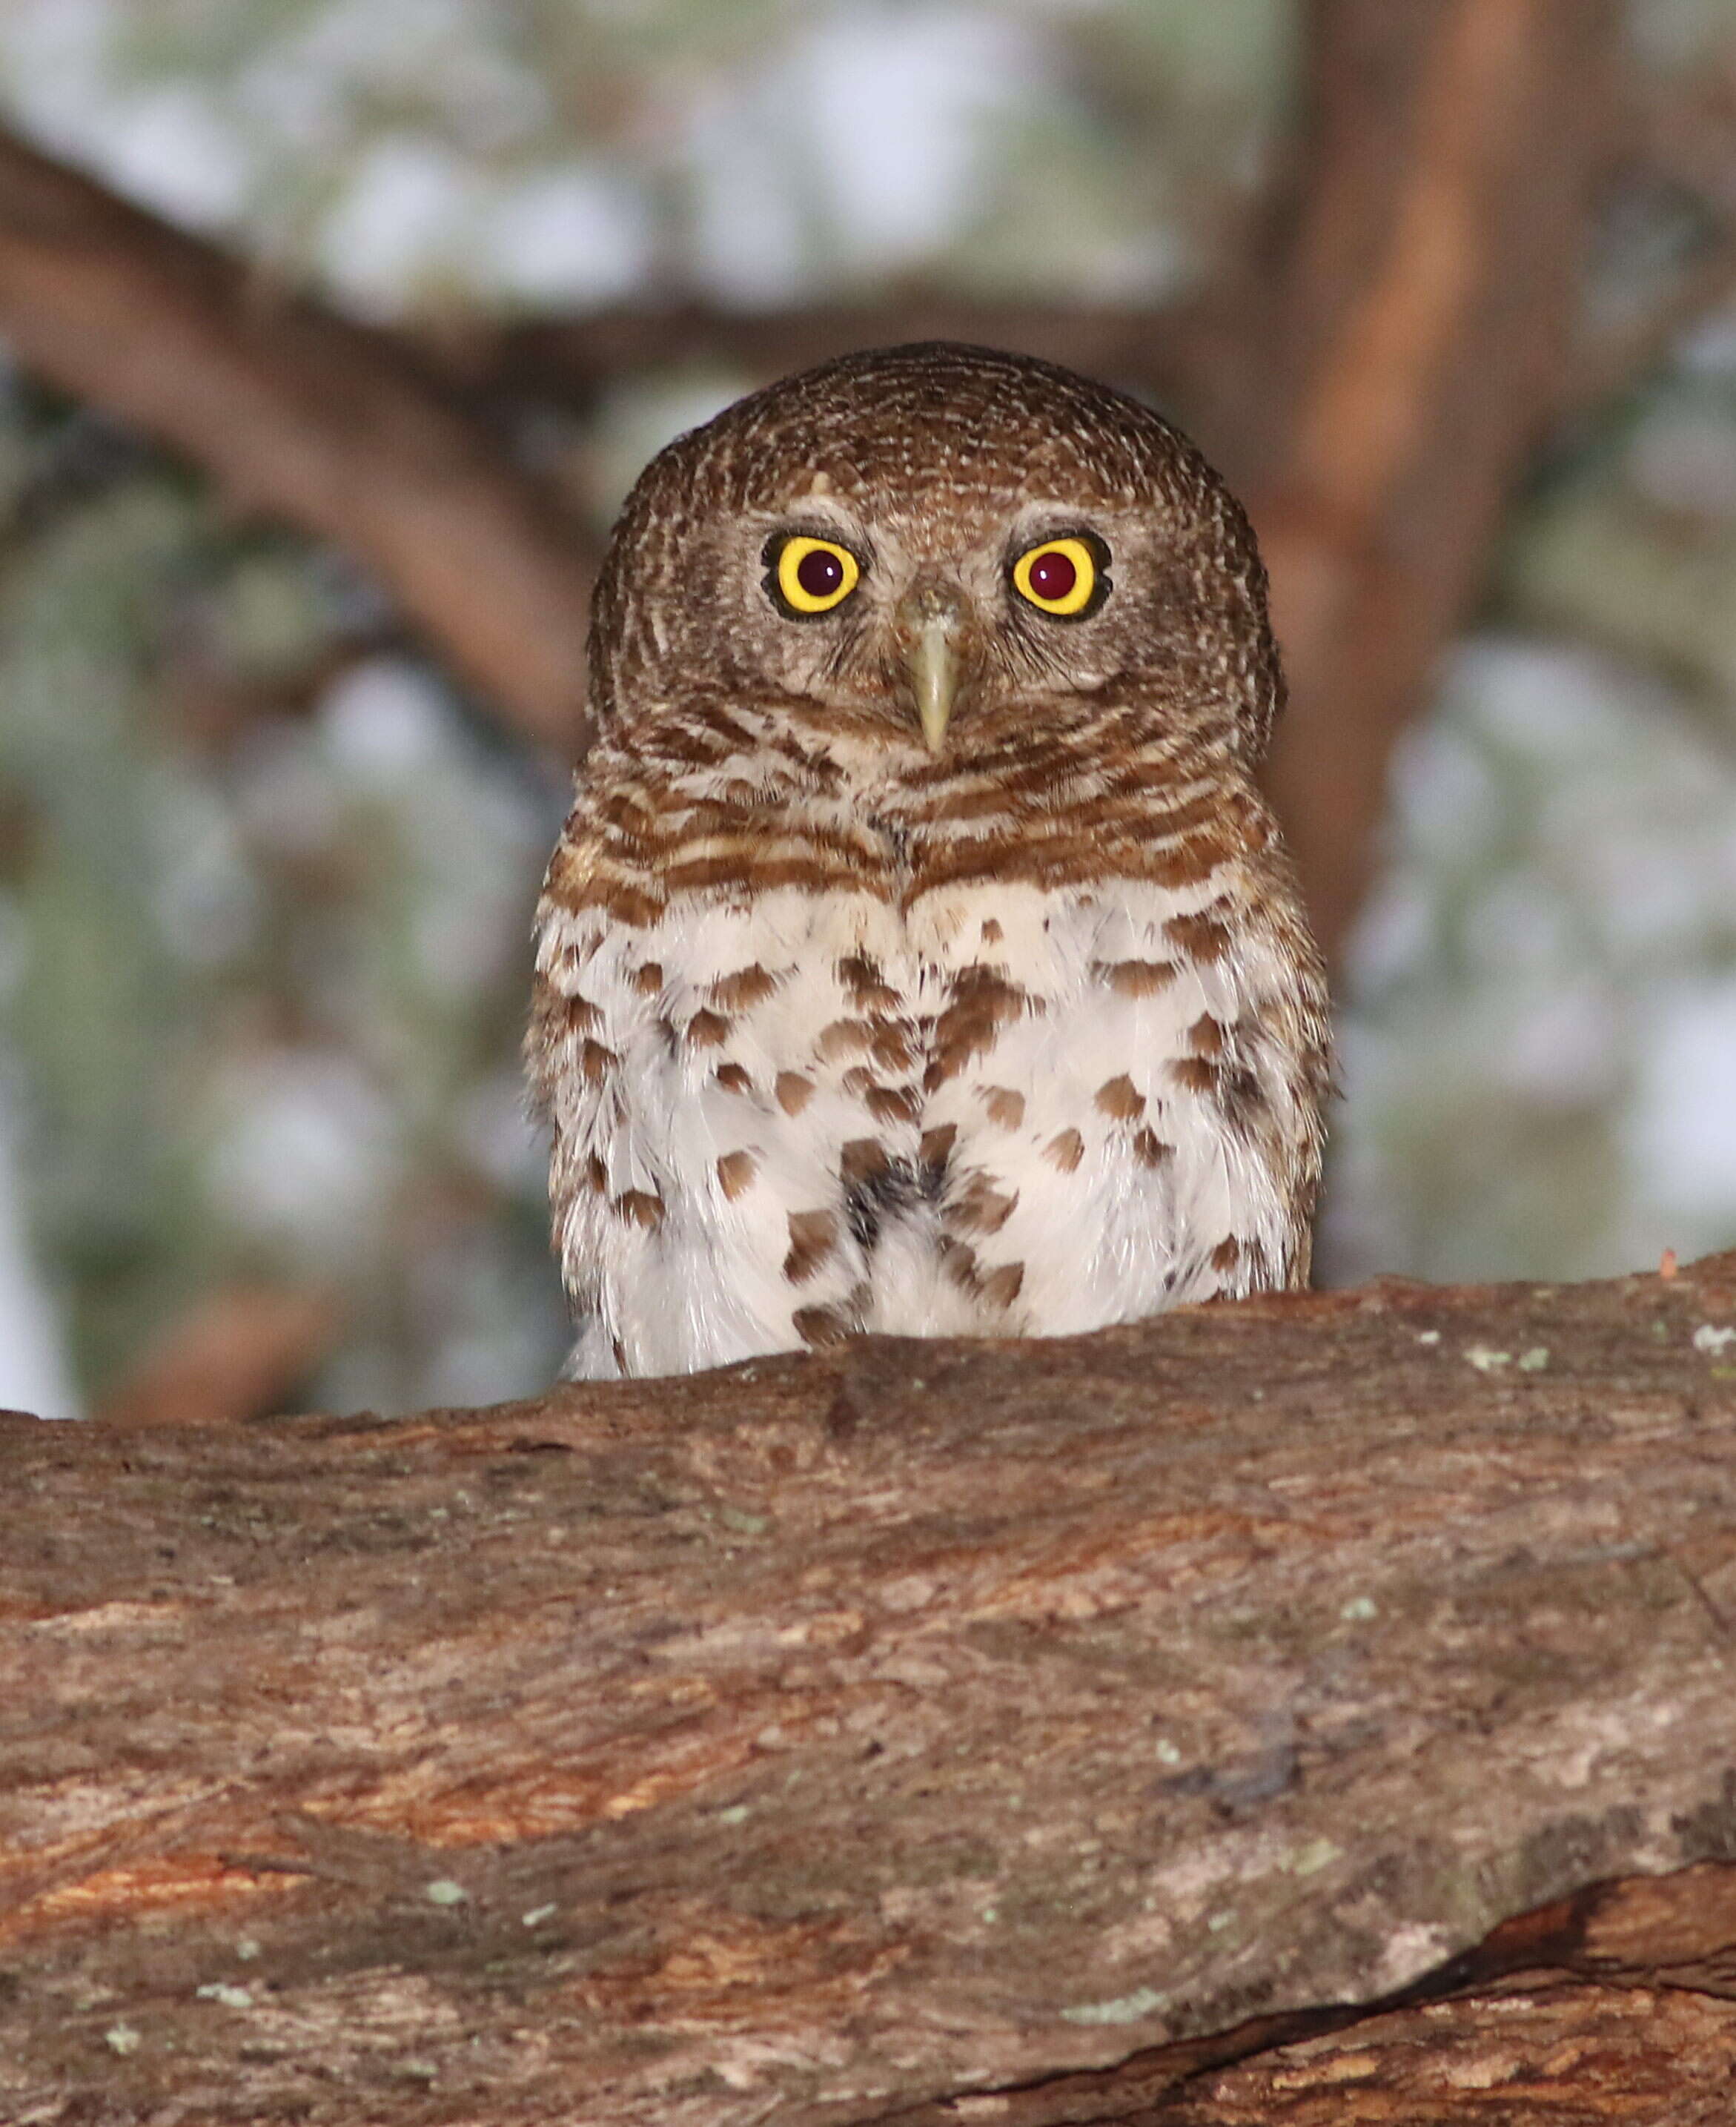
338, 329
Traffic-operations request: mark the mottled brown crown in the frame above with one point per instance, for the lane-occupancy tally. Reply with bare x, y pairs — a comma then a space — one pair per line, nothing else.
947, 435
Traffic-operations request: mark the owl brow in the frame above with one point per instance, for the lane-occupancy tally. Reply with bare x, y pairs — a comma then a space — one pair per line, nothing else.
816, 527
1021, 540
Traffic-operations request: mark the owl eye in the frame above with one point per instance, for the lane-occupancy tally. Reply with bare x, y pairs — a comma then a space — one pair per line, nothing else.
807, 577
1065, 578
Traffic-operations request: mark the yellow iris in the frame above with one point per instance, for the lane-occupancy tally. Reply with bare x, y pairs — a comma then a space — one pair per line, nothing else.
814, 575
1060, 576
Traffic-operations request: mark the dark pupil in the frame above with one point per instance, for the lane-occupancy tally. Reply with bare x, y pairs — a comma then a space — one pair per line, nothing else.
1052, 576
820, 572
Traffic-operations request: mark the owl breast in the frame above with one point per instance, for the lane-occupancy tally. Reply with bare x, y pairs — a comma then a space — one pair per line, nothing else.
833, 1070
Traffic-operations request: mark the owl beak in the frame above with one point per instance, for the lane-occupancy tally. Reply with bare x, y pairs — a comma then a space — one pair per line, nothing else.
934, 675
932, 625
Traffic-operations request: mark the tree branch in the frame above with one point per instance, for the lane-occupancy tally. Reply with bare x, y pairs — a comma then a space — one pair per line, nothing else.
300, 414
1192, 355
1684, 148
1431, 292
882, 1734
236, 1352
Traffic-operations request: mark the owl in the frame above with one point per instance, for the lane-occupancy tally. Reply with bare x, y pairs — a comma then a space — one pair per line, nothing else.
919, 955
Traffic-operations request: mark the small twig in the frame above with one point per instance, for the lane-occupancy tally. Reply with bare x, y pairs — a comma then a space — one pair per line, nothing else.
237, 1353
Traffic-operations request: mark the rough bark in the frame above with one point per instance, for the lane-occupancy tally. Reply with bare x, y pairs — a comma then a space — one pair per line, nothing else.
1337, 1686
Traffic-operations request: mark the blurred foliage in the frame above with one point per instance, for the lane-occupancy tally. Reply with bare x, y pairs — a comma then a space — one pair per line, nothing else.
269, 887
436, 152
265, 880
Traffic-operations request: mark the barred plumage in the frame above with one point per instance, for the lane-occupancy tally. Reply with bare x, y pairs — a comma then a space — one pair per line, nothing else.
926, 962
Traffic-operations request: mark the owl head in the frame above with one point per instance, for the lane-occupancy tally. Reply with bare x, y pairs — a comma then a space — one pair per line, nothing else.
937, 549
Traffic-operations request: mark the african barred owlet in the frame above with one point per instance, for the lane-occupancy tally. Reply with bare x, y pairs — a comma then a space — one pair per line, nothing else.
919, 955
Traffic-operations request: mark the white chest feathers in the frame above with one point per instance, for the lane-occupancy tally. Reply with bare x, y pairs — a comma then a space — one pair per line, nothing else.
1005, 1111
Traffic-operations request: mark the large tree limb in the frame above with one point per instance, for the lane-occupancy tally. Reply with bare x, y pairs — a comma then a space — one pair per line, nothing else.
930, 1731
1430, 295
301, 414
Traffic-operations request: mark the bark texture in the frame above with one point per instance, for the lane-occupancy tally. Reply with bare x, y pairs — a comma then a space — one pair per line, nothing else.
1318, 1708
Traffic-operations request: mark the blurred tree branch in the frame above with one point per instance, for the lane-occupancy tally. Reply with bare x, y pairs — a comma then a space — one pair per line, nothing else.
1683, 141
238, 1352
1426, 314
306, 416
1190, 353
1376, 379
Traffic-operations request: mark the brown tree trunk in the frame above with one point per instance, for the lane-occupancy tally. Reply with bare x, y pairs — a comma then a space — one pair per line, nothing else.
1427, 303
1338, 1686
